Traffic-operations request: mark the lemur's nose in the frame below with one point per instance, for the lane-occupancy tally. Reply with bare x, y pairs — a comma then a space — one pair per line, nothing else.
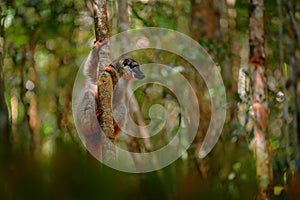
139, 75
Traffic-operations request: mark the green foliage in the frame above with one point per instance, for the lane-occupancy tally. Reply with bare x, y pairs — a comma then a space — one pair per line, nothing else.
163, 14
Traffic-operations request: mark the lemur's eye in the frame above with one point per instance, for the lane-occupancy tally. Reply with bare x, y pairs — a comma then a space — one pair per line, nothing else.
126, 62
130, 62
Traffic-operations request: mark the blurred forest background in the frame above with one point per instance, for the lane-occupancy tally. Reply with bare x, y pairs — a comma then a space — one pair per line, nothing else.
44, 42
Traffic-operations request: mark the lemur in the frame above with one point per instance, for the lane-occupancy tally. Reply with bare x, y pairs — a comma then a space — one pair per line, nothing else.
122, 71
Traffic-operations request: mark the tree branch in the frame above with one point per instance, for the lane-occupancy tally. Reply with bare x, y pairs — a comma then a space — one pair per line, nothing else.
100, 20
105, 81
264, 171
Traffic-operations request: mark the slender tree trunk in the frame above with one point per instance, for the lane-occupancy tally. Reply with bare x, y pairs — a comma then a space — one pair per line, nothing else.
293, 37
134, 107
123, 25
123, 22
202, 25
101, 20
34, 119
105, 84
234, 45
4, 119
285, 127
264, 173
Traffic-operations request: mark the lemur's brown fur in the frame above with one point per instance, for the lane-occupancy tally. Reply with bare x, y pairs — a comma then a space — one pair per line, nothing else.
124, 70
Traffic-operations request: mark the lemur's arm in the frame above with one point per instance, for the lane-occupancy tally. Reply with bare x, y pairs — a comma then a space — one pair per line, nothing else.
90, 66
85, 114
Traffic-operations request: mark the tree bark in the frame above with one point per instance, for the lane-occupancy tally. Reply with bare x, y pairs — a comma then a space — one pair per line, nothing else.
101, 20
4, 119
106, 120
285, 127
202, 25
234, 46
105, 83
204, 20
264, 172
34, 119
292, 83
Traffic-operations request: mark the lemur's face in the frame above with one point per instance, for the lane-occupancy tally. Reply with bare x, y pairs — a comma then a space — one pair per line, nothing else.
132, 69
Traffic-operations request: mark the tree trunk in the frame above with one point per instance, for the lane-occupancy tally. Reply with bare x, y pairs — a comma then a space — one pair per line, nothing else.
264, 172
234, 46
285, 128
123, 25
105, 83
202, 25
202, 28
4, 119
293, 38
101, 20
34, 119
